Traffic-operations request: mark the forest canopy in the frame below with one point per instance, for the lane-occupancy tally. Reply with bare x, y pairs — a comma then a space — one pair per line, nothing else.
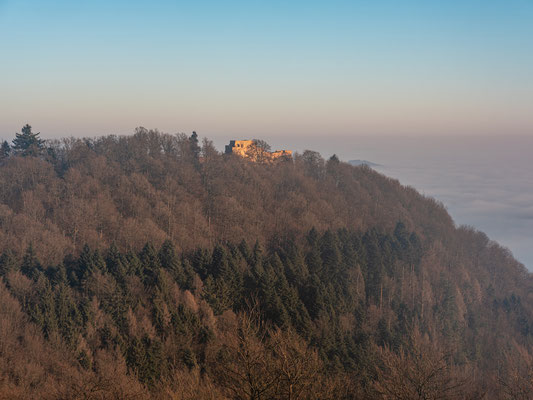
153, 266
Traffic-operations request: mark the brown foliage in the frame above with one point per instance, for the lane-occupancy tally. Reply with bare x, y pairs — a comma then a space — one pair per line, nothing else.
129, 190
253, 363
422, 371
467, 292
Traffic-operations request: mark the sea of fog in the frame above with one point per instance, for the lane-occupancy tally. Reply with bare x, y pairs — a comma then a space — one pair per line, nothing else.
485, 182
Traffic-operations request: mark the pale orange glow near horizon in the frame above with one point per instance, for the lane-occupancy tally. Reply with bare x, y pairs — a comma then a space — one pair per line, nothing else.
341, 68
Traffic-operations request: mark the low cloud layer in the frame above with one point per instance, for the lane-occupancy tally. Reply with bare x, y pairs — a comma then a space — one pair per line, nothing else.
484, 181
489, 188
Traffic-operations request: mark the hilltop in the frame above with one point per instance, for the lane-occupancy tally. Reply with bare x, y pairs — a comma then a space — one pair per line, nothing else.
153, 187
153, 265
363, 162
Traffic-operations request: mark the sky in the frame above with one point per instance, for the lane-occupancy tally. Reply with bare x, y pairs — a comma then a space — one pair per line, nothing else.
276, 68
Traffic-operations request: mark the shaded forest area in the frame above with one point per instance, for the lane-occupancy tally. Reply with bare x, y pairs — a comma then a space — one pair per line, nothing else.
151, 266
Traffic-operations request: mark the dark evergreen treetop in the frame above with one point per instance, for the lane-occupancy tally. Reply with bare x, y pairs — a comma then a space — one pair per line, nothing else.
28, 143
195, 148
5, 150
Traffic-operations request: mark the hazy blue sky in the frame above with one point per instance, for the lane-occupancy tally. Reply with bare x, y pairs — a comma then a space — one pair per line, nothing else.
248, 68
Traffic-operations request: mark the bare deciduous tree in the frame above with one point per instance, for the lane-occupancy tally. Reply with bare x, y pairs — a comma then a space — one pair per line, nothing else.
420, 371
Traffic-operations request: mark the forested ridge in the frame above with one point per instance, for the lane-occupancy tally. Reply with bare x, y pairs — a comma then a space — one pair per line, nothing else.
153, 266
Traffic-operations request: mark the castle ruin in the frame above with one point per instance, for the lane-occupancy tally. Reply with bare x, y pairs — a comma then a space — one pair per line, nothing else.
249, 149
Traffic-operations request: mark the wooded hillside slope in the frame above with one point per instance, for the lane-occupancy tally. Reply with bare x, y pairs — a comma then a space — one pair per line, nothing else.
153, 187
154, 266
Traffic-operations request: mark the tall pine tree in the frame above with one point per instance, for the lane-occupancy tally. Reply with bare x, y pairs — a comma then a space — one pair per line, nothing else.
28, 143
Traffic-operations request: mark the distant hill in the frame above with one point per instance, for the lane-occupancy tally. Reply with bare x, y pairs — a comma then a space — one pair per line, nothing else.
153, 266
363, 162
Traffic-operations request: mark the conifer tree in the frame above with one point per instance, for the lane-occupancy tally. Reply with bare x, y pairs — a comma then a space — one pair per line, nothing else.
218, 294
401, 235
57, 275
312, 237
28, 143
30, 265
150, 264
195, 149
375, 270
68, 316
7, 262
115, 263
257, 259
133, 264
88, 263
45, 306
5, 150
170, 261
219, 266
313, 261
245, 251
201, 262
329, 252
